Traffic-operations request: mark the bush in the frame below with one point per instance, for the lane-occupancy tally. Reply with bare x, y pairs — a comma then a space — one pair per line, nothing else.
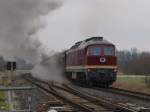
147, 81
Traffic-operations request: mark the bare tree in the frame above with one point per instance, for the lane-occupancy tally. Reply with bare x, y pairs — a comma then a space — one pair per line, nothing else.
134, 62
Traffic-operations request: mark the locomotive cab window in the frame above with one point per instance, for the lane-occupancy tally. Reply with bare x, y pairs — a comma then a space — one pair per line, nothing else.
96, 51
109, 51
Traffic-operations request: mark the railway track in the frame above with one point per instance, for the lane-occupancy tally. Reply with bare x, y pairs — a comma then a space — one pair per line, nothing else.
81, 101
122, 107
48, 88
137, 95
85, 101
74, 100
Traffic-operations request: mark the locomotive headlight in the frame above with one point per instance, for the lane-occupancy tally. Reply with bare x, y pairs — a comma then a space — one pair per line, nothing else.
88, 70
115, 70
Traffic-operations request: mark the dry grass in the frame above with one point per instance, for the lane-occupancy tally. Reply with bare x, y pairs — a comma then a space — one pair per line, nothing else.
3, 104
134, 83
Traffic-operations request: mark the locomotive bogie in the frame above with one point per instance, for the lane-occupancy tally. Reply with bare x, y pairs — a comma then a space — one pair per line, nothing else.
95, 76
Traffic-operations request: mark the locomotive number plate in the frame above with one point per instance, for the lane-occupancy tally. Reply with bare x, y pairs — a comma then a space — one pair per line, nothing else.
102, 60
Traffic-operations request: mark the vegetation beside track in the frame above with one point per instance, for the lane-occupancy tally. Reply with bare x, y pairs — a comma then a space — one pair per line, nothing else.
3, 102
133, 82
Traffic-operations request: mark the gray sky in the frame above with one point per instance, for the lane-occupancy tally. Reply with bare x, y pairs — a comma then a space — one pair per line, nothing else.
124, 22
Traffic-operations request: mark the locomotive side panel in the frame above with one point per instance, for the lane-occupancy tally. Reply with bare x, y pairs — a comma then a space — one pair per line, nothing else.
74, 59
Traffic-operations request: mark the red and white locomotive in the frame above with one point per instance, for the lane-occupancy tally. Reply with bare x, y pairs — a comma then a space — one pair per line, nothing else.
92, 61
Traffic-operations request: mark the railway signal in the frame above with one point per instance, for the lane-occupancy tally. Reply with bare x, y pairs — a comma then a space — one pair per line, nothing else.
11, 66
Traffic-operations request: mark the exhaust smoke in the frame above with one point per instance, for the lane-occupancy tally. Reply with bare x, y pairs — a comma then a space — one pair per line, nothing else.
20, 20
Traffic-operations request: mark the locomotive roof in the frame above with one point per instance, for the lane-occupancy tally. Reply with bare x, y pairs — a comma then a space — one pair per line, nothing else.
89, 41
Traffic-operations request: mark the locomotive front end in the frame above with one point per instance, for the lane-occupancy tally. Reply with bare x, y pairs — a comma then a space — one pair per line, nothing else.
101, 63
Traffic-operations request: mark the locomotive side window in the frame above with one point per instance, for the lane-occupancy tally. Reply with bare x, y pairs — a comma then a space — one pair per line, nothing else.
108, 51
96, 51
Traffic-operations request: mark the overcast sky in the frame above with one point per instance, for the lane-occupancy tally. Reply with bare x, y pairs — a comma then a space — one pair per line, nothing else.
126, 23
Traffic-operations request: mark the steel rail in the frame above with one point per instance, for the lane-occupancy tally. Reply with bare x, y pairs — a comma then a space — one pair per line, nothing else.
89, 101
100, 101
137, 95
118, 107
56, 94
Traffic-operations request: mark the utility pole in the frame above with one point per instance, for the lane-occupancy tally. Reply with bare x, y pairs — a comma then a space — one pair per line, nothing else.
29, 101
10, 70
11, 67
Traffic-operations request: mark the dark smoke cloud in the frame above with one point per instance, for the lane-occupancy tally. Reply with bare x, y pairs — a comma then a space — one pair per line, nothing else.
20, 20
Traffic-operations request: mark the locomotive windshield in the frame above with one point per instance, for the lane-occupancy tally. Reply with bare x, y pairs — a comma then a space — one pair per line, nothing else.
95, 50
109, 51
101, 50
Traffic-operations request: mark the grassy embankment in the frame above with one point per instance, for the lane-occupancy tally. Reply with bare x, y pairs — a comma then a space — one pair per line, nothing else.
3, 102
3, 95
132, 82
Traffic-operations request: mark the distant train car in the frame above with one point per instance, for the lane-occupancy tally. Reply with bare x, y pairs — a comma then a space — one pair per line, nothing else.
92, 61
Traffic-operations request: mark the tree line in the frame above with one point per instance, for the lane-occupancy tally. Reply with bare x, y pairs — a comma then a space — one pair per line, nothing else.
134, 62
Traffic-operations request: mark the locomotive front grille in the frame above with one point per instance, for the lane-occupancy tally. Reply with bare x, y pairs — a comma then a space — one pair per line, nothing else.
102, 75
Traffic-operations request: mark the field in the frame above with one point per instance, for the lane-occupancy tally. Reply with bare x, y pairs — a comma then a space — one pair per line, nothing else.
3, 98
3, 102
132, 82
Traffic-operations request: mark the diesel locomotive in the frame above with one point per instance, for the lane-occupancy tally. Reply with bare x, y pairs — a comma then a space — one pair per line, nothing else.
92, 61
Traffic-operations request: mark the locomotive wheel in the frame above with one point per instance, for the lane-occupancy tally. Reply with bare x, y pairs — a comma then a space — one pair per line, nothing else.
106, 85
90, 83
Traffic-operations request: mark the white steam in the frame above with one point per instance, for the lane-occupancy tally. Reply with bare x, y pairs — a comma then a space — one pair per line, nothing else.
20, 20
